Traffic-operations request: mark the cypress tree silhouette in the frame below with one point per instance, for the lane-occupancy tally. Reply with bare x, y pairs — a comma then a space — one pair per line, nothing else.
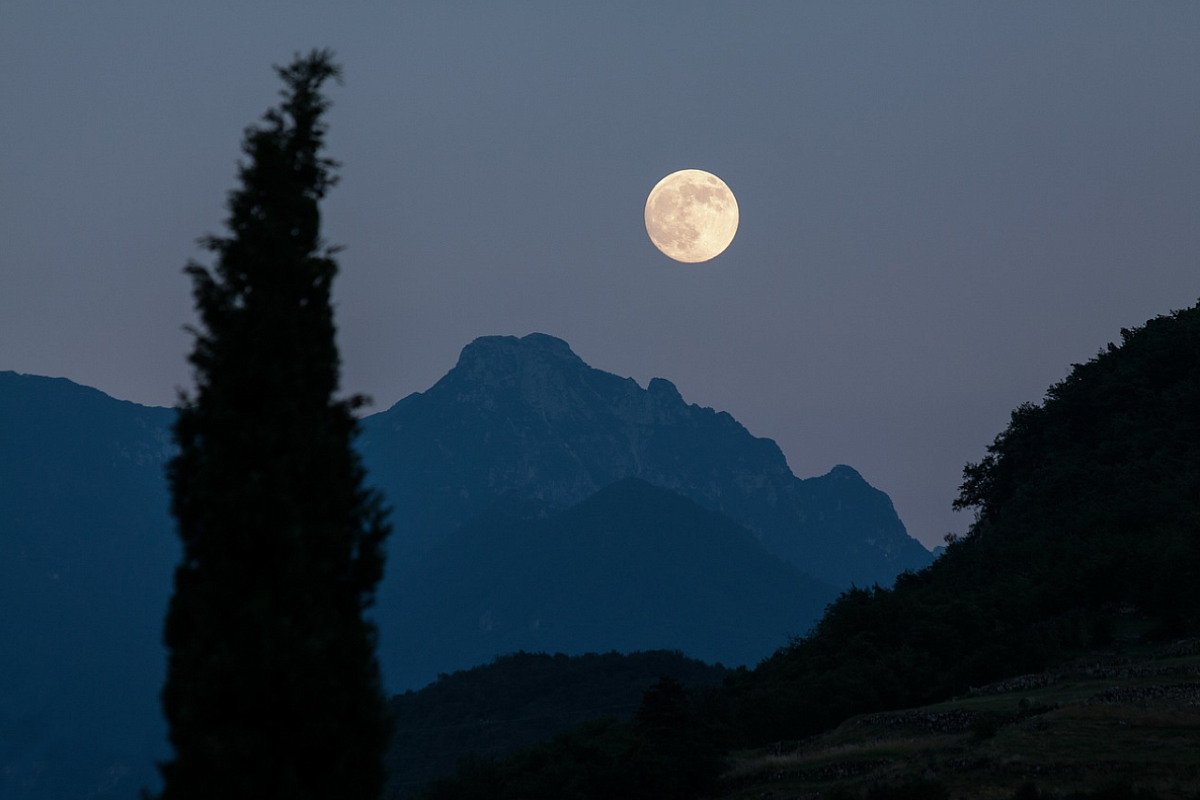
273, 687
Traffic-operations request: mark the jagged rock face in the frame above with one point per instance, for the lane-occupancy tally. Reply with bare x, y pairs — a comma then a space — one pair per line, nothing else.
526, 416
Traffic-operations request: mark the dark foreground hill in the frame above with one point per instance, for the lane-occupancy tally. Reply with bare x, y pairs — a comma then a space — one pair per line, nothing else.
1087, 729
1107, 726
1089, 517
1088, 502
518, 700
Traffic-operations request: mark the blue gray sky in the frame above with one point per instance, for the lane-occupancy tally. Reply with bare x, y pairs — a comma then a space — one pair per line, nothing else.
944, 205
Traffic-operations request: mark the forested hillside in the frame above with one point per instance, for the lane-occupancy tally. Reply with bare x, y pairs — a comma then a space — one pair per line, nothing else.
520, 699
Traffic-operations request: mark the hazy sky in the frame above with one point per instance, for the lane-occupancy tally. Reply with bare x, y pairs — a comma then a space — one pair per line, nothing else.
944, 205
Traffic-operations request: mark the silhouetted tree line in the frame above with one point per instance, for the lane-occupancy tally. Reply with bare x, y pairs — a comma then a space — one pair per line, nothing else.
666, 752
1086, 502
519, 700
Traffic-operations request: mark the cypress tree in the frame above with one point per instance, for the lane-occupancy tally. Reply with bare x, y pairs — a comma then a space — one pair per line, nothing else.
273, 687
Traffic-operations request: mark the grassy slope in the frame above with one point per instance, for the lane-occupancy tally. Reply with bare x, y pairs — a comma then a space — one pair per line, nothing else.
1132, 717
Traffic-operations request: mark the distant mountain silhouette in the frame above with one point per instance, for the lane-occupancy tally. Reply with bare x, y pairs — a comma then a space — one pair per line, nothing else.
528, 416
515, 441
86, 553
633, 567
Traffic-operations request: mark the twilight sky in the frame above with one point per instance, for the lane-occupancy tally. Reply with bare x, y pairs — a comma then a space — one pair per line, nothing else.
944, 205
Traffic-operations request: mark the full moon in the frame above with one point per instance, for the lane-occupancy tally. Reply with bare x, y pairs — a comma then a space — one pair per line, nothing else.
691, 215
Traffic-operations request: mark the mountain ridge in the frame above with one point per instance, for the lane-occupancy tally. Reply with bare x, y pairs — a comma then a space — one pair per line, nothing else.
89, 548
527, 415
85, 569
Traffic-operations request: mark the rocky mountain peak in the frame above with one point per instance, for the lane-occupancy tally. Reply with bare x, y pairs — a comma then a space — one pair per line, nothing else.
664, 390
497, 359
537, 371
539, 377
527, 417
842, 472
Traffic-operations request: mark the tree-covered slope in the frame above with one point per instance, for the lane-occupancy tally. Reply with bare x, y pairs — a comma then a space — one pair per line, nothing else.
520, 699
1094, 495
1088, 501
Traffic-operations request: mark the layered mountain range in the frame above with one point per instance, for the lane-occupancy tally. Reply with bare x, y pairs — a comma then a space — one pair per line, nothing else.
527, 417
1049, 652
538, 504
633, 567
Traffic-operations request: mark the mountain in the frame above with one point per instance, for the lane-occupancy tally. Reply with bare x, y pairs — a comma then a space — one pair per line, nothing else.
633, 567
86, 554
1049, 651
501, 463
527, 416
